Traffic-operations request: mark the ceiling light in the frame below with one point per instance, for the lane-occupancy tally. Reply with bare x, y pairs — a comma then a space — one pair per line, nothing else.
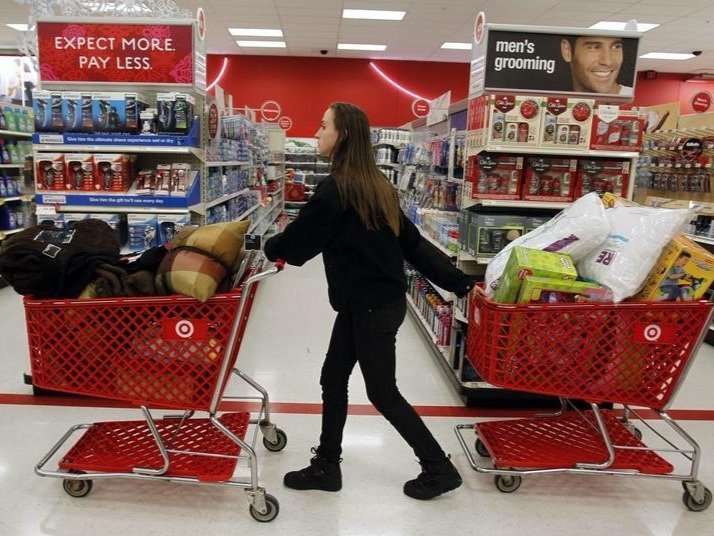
456, 46
666, 56
255, 32
263, 44
18, 27
372, 14
348, 46
610, 25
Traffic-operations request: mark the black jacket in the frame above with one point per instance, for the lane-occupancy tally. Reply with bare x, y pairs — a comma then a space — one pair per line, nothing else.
364, 268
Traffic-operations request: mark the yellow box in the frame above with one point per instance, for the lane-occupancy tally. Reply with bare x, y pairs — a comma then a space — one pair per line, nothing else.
683, 272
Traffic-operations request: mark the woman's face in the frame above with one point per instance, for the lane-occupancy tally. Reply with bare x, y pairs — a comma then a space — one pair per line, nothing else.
327, 134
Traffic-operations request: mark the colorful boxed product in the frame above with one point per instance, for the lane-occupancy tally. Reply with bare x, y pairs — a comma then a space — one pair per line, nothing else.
513, 120
79, 171
180, 176
47, 215
117, 112
142, 231
49, 171
617, 128
162, 182
603, 176
169, 225
683, 272
495, 176
550, 179
546, 290
47, 107
72, 117
175, 112
111, 172
71, 218
567, 122
491, 233
524, 262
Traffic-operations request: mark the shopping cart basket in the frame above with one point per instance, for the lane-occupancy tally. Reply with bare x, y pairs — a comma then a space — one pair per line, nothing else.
163, 352
634, 354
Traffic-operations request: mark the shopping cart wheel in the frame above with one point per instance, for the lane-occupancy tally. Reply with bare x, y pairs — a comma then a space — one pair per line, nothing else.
695, 506
273, 507
507, 483
481, 449
81, 488
281, 439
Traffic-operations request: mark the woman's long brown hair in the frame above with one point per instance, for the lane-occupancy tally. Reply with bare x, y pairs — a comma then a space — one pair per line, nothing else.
360, 183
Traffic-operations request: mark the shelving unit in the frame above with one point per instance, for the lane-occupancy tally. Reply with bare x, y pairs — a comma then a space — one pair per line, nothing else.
15, 195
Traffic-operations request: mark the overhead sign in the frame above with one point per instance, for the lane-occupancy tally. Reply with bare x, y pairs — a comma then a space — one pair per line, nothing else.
115, 53
701, 102
559, 60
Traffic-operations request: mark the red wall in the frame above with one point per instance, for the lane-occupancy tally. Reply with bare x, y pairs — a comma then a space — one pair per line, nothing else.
670, 87
304, 87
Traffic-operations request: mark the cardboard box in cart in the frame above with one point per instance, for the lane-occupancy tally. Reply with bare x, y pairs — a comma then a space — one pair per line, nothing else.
683, 272
524, 262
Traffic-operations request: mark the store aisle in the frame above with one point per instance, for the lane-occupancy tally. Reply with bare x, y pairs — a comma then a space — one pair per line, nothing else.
283, 348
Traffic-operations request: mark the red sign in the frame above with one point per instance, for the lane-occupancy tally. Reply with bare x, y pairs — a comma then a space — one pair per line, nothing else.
179, 329
701, 102
270, 111
115, 53
479, 26
285, 122
201, 18
654, 333
420, 107
213, 121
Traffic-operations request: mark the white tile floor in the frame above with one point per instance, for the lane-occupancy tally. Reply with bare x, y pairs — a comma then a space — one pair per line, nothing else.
283, 349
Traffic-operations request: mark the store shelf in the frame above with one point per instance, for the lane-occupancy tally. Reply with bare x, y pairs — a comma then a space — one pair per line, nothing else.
554, 151
701, 239
231, 163
12, 166
516, 203
459, 315
436, 244
110, 202
443, 350
4, 233
267, 212
23, 198
15, 134
224, 198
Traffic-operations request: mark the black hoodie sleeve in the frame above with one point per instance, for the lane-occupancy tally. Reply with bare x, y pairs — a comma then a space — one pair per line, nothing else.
431, 262
309, 233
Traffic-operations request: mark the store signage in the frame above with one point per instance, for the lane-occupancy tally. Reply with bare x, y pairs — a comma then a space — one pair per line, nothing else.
285, 123
589, 63
201, 20
439, 109
420, 107
654, 333
177, 329
479, 27
270, 111
701, 102
212, 120
115, 53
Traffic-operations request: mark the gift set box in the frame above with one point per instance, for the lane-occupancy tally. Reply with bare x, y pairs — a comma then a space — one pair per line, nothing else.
603, 176
566, 122
494, 176
617, 128
550, 179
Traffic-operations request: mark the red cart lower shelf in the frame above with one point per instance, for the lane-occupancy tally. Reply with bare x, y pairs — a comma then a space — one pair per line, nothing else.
564, 441
118, 447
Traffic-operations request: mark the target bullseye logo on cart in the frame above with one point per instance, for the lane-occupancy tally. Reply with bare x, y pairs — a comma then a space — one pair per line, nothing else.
650, 333
182, 329
653, 332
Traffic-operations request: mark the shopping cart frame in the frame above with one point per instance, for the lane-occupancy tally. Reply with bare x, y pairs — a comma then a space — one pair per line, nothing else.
262, 506
508, 479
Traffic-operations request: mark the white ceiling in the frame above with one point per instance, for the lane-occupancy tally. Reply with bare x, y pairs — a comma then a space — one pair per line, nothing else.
312, 25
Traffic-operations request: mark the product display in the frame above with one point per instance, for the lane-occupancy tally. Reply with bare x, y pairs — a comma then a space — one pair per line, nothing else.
566, 122
523, 262
513, 120
602, 176
617, 128
488, 234
550, 179
683, 272
495, 176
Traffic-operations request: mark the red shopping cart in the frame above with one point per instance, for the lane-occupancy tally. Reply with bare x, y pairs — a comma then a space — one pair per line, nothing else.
163, 352
634, 354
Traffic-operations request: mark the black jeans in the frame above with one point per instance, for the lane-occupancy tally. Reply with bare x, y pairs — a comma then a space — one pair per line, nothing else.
368, 338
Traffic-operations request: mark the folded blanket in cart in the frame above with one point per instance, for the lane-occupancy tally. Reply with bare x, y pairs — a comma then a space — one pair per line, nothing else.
46, 262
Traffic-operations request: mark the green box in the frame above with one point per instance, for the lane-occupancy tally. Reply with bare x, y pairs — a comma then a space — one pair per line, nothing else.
524, 262
545, 290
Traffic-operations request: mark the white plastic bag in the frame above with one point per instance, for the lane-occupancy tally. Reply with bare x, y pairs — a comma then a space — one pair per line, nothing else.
577, 230
637, 236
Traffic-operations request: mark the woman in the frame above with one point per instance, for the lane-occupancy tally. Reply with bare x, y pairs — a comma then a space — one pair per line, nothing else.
354, 220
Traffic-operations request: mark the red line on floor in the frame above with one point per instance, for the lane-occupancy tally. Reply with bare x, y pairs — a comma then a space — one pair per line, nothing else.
306, 408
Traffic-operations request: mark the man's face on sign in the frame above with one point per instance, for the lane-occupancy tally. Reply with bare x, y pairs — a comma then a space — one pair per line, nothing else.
594, 63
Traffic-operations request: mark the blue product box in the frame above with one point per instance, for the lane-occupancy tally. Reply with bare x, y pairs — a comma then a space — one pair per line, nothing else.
72, 112
169, 225
117, 112
46, 215
142, 231
42, 102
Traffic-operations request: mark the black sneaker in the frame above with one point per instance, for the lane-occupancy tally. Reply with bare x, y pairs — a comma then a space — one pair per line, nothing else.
433, 481
322, 474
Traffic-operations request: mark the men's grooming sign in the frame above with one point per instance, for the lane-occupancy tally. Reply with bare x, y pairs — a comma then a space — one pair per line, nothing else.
559, 60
